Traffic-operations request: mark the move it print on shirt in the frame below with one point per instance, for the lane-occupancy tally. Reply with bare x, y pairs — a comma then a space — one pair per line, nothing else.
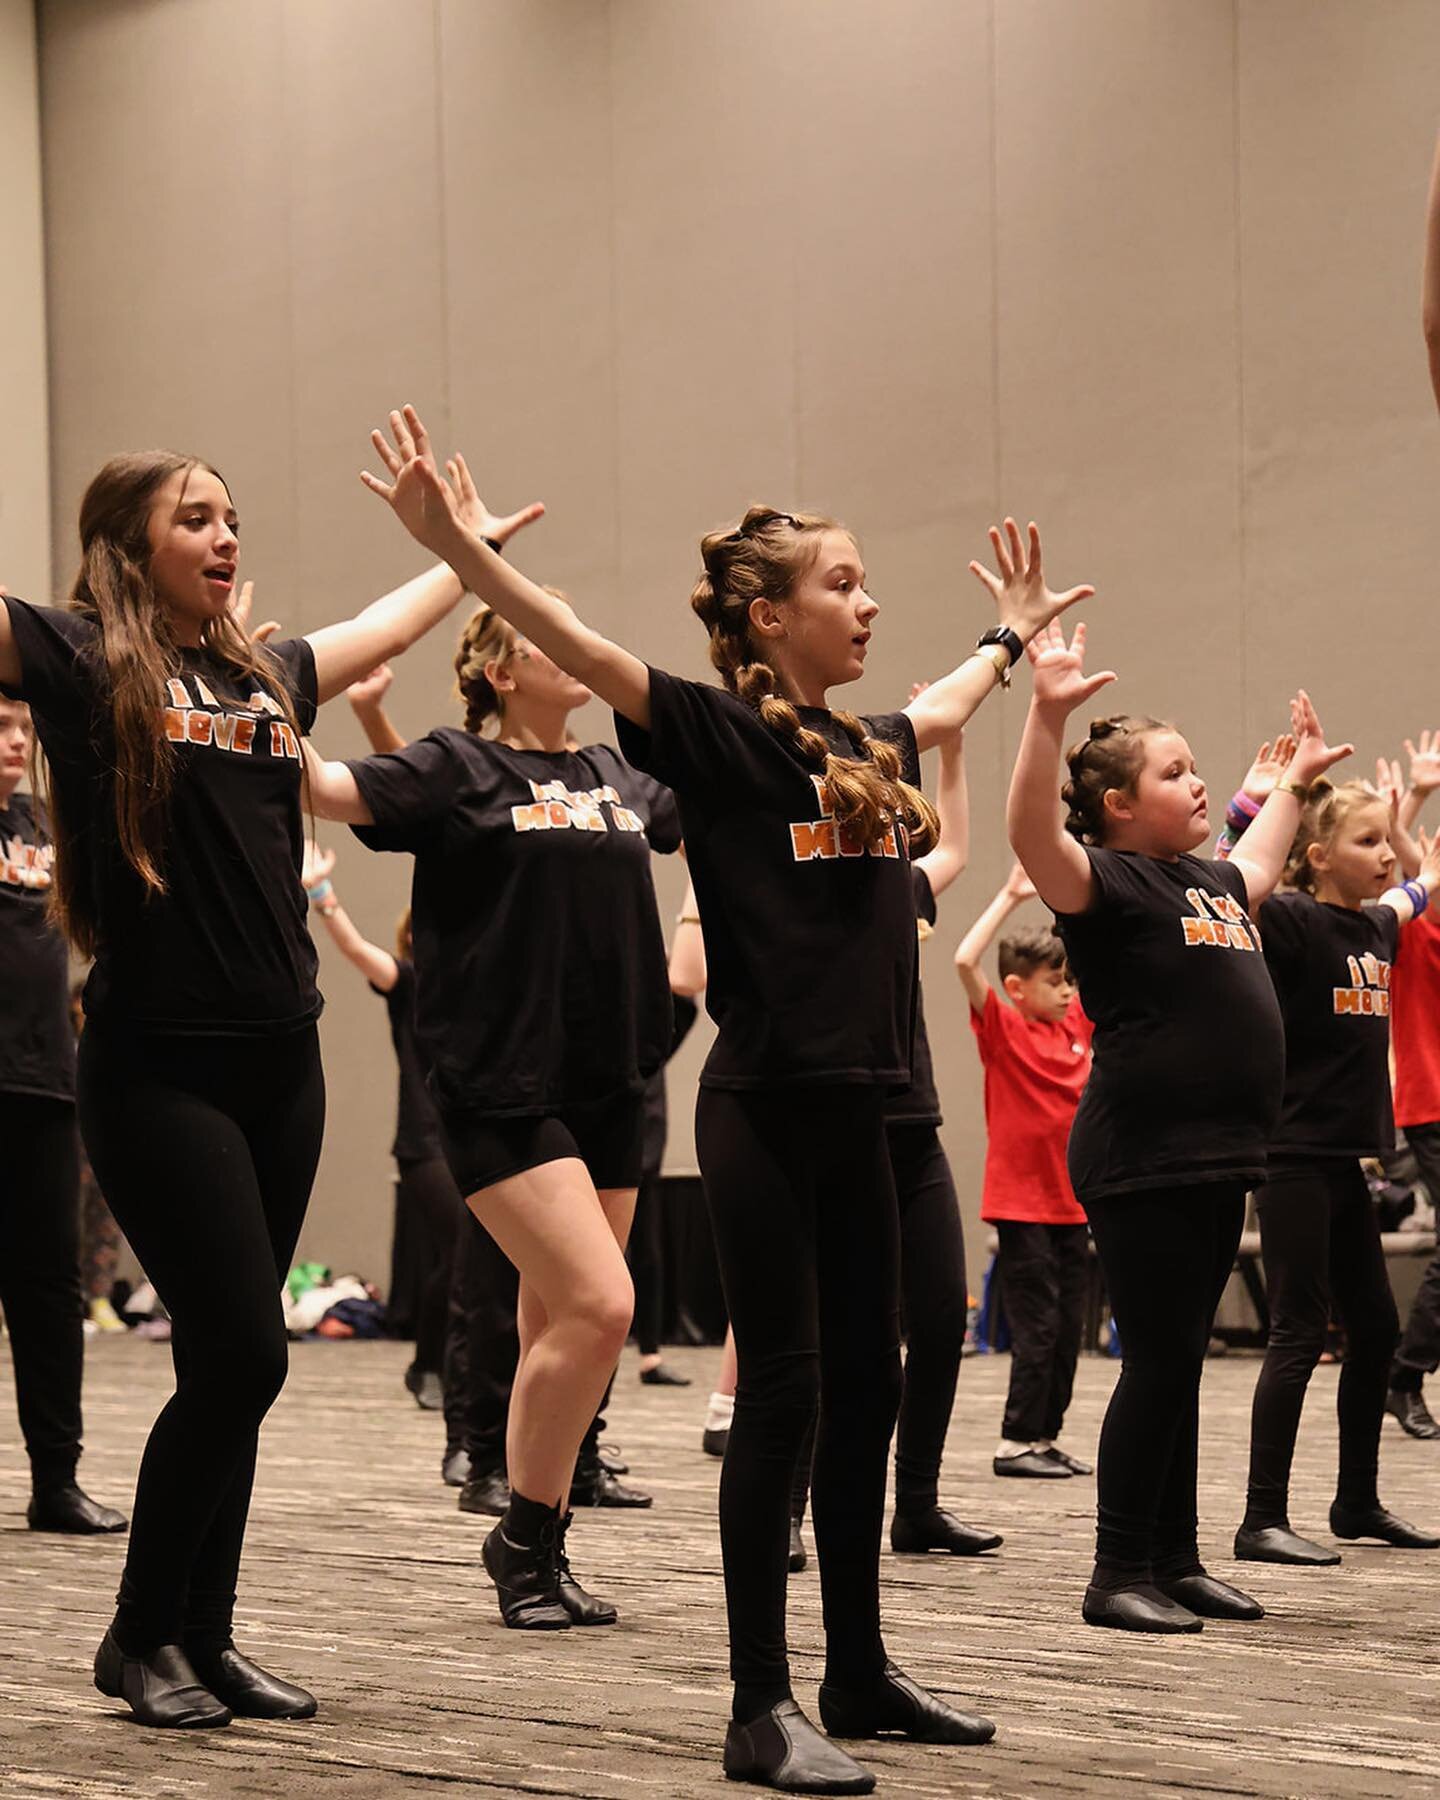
204, 721
554, 807
1368, 994
1219, 922
825, 839
26, 865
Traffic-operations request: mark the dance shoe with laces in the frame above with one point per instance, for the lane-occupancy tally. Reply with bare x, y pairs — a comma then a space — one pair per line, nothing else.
583, 1608
894, 1705
248, 1690
1375, 1522
161, 1688
915, 1533
527, 1577
782, 1749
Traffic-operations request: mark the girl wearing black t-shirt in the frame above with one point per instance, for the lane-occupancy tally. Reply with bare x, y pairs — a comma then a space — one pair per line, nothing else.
1330, 952
172, 742
542, 1010
1180, 1108
796, 825
40, 1288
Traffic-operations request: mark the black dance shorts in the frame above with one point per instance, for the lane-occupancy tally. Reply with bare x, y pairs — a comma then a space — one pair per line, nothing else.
607, 1136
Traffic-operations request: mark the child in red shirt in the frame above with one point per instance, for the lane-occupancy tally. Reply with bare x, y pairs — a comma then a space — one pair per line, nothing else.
1036, 1053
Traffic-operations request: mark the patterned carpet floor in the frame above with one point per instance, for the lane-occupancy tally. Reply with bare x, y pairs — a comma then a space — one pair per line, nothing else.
362, 1580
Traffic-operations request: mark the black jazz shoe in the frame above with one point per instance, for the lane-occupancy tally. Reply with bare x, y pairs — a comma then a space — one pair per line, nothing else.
1279, 1544
660, 1376
1412, 1412
527, 1579
67, 1507
894, 1704
798, 1558
583, 1608
248, 1690
1208, 1598
1139, 1608
1375, 1522
914, 1533
594, 1485
487, 1492
455, 1468
782, 1749
161, 1689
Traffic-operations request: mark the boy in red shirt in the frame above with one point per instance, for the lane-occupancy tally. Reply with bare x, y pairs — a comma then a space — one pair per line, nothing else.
1036, 1052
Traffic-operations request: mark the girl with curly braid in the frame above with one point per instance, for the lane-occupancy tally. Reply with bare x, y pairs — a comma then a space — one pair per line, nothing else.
799, 826
1181, 1106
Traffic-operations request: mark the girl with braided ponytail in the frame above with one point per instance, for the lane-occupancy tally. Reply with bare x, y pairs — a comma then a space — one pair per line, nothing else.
799, 825
1175, 1122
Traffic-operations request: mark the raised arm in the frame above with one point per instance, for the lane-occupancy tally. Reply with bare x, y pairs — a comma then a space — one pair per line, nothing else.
1024, 604
331, 790
1259, 783
1430, 303
1261, 853
952, 802
389, 626
1052, 859
367, 702
377, 966
429, 508
1017, 890
1424, 778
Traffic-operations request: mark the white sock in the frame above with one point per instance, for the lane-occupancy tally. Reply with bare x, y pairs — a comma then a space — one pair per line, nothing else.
1009, 1448
720, 1413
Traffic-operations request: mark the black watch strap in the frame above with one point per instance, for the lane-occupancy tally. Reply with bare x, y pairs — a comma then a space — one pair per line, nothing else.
1008, 640
499, 549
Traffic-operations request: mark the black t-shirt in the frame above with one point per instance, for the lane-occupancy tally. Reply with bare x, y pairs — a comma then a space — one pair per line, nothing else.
657, 1117
538, 954
418, 1136
809, 939
1189, 1044
225, 949
37, 1041
919, 1104
1331, 969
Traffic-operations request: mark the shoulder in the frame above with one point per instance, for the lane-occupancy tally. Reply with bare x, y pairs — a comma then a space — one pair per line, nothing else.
925, 907
897, 728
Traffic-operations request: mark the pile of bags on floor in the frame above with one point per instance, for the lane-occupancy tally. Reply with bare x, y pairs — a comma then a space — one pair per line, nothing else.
321, 1304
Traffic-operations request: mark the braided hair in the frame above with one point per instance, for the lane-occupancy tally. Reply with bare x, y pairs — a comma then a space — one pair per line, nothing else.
1110, 757
1326, 808
486, 639
762, 558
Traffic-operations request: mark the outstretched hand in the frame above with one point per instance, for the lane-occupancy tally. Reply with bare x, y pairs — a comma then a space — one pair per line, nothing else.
1061, 683
1429, 861
1268, 767
1313, 756
241, 610
1022, 598
477, 516
1424, 762
370, 690
419, 496
1018, 884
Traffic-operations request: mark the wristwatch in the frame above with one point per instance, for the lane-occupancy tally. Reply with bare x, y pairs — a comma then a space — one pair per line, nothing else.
1008, 640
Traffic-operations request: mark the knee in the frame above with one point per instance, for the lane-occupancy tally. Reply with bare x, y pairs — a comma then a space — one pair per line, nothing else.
250, 1377
605, 1313
783, 1387
1297, 1339
1376, 1339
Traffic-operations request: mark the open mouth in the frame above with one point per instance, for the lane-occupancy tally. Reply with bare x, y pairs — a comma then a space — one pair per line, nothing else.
221, 575
860, 640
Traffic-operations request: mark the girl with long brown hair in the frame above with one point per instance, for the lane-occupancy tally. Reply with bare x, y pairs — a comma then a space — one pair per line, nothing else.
799, 825
173, 746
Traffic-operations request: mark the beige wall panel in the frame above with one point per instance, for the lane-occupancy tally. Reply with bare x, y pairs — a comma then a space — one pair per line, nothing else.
1340, 452
165, 154
24, 447
368, 332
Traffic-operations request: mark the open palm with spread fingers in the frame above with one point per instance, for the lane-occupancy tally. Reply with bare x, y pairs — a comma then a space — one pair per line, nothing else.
1424, 762
1313, 756
436, 512
1061, 683
476, 514
1022, 597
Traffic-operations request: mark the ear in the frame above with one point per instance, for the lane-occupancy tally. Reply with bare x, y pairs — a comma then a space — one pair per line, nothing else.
1014, 985
497, 673
765, 620
1117, 805
1315, 855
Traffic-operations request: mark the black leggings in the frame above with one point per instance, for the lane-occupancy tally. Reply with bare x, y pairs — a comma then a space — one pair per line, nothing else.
1167, 1254
428, 1190
206, 1149
40, 1278
934, 1301
1321, 1243
1419, 1352
646, 1253
1043, 1272
802, 1199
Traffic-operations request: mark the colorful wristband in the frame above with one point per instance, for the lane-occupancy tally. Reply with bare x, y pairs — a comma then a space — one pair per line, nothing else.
1417, 895
321, 891
1241, 802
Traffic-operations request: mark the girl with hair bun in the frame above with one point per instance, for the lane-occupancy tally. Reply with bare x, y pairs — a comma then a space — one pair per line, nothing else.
799, 826
1189, 1067
1331, 939
173, 744
542, 1009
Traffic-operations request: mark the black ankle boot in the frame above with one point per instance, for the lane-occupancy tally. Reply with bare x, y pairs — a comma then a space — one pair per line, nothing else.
160, 1688
248, 1690
931, 1528
65, 1506
893, 1703
782, 1749
583, 1608
527, 1574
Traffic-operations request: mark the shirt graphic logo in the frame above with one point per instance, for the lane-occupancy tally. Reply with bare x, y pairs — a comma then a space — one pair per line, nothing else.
26, 865
1369, 990
556, 808
1219, 922
822, 839
203, 720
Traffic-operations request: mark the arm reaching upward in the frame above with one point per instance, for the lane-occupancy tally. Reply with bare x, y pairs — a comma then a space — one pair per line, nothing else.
377, 966
952, 802
1261, 853
1017, 890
